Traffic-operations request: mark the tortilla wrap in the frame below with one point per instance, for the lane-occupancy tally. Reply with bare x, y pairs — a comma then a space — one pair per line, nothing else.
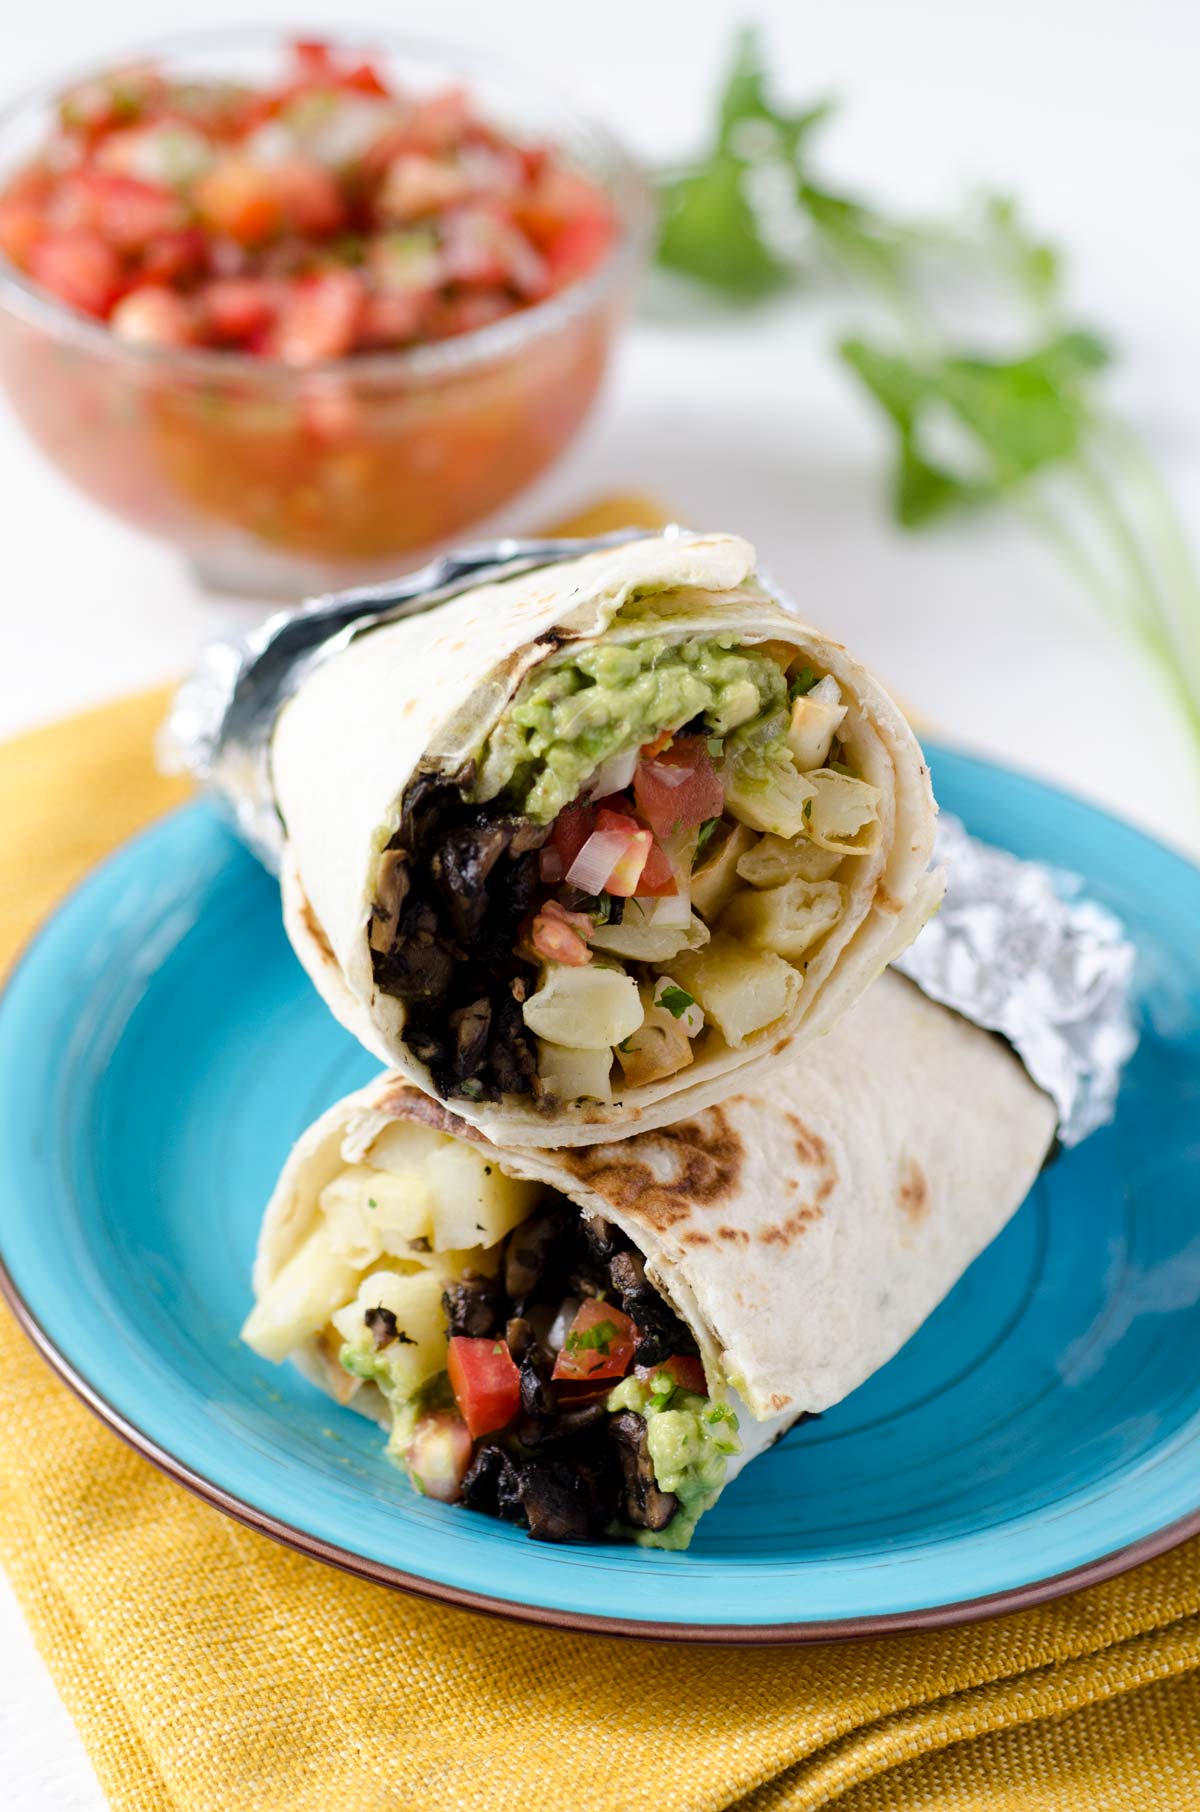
422, 696
802, 1232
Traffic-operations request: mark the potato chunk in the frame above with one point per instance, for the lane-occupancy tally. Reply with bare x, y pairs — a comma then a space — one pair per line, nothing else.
740, 990
572, 1074
841, 807
787, 919
714, 881
369, 1212
589, 1009
474, 1203
299, 1302
774, 860
641, 941
416, 1302
816, 719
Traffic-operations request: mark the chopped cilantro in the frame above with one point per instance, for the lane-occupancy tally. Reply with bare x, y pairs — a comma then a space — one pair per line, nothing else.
676, 1000
804, 682
705, 837
626, 1044
371, 1202
598, 1338
807, 810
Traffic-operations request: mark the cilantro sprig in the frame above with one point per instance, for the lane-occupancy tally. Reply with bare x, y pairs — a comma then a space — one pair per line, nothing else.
1028, 427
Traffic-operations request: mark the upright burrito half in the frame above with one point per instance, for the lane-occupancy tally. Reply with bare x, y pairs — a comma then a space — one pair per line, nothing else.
575, 849
594, 1342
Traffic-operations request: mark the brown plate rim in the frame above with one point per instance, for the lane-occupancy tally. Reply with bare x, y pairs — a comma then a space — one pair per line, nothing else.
944, 1616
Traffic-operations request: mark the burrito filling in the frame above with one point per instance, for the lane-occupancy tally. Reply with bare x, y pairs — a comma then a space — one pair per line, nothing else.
648, 852
525, 1364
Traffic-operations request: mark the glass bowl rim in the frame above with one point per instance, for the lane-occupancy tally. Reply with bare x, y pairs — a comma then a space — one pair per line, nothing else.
479, 347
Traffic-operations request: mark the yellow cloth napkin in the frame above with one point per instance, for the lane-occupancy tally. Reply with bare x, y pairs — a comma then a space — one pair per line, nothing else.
210, 1670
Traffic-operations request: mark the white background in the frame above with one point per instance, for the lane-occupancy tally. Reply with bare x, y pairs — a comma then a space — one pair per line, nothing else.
1085, 107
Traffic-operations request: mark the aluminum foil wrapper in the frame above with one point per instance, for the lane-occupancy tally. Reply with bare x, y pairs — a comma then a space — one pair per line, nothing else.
220, 722
1019, 949
1015, 947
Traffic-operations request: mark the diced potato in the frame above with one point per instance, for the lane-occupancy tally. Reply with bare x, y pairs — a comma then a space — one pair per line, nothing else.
740, 990
402, 1145
474, 1203
416, 1302
588, 1009
841, 807
572, 1074
774, 860
300, 1301
660, 1047
714, 882
766, 795
816, 718
369, 1212
636, 938
787, 919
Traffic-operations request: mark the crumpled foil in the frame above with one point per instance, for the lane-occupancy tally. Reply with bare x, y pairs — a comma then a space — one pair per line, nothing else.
1020, 950
1015, 947
220, 722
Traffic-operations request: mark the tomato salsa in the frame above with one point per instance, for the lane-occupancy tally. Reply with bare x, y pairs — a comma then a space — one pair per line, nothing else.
325, 216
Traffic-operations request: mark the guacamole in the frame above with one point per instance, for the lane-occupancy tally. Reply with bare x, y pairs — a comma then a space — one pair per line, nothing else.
690, 1439
571, 713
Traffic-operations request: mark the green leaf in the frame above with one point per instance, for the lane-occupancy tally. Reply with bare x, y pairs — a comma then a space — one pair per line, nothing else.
803, 683
922, 490
897, 385
745, 101
708, 230
705, 837
676, 1000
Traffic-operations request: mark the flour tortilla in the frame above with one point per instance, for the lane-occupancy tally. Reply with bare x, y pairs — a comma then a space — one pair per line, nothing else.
426, 692
803, 1232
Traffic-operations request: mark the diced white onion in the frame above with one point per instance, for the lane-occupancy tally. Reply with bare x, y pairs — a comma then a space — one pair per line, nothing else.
596, 860
671, 909
613, 775
671, 773
560, 1326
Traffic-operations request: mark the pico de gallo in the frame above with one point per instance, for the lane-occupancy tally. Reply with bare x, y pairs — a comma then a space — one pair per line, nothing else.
327, 215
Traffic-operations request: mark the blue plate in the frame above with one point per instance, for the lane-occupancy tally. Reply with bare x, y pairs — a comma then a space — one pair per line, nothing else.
159, 1051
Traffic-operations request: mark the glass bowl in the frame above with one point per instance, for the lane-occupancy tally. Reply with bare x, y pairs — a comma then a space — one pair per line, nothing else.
280, 482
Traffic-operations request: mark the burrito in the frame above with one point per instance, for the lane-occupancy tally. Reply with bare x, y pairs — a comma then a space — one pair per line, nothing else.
575, 849
590, 1342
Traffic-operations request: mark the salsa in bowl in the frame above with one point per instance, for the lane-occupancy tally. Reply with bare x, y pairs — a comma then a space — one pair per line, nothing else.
306, 308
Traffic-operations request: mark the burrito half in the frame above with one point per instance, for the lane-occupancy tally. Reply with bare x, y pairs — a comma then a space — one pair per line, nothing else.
591, 1343
572, 851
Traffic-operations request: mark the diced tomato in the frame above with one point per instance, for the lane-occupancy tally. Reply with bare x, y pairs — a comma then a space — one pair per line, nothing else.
438, 122
485, 1382
234, 308
468, 312
439, 1455
578, 249
657, 878
80, 268
479, 245
363, 78
572, 828
313, 58
308, 198
625, 876
561, 936
181, 253
683, 1369
320, 318
680, 788
392, 320
21, 226
126, 212
416, 184
152, 316
237, 197
558, 198
600, 1343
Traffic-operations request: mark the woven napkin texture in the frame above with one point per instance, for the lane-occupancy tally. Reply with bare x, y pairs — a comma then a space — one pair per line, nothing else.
209, 1670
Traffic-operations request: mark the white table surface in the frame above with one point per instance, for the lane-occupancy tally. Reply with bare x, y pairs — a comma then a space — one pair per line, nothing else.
1085, 107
